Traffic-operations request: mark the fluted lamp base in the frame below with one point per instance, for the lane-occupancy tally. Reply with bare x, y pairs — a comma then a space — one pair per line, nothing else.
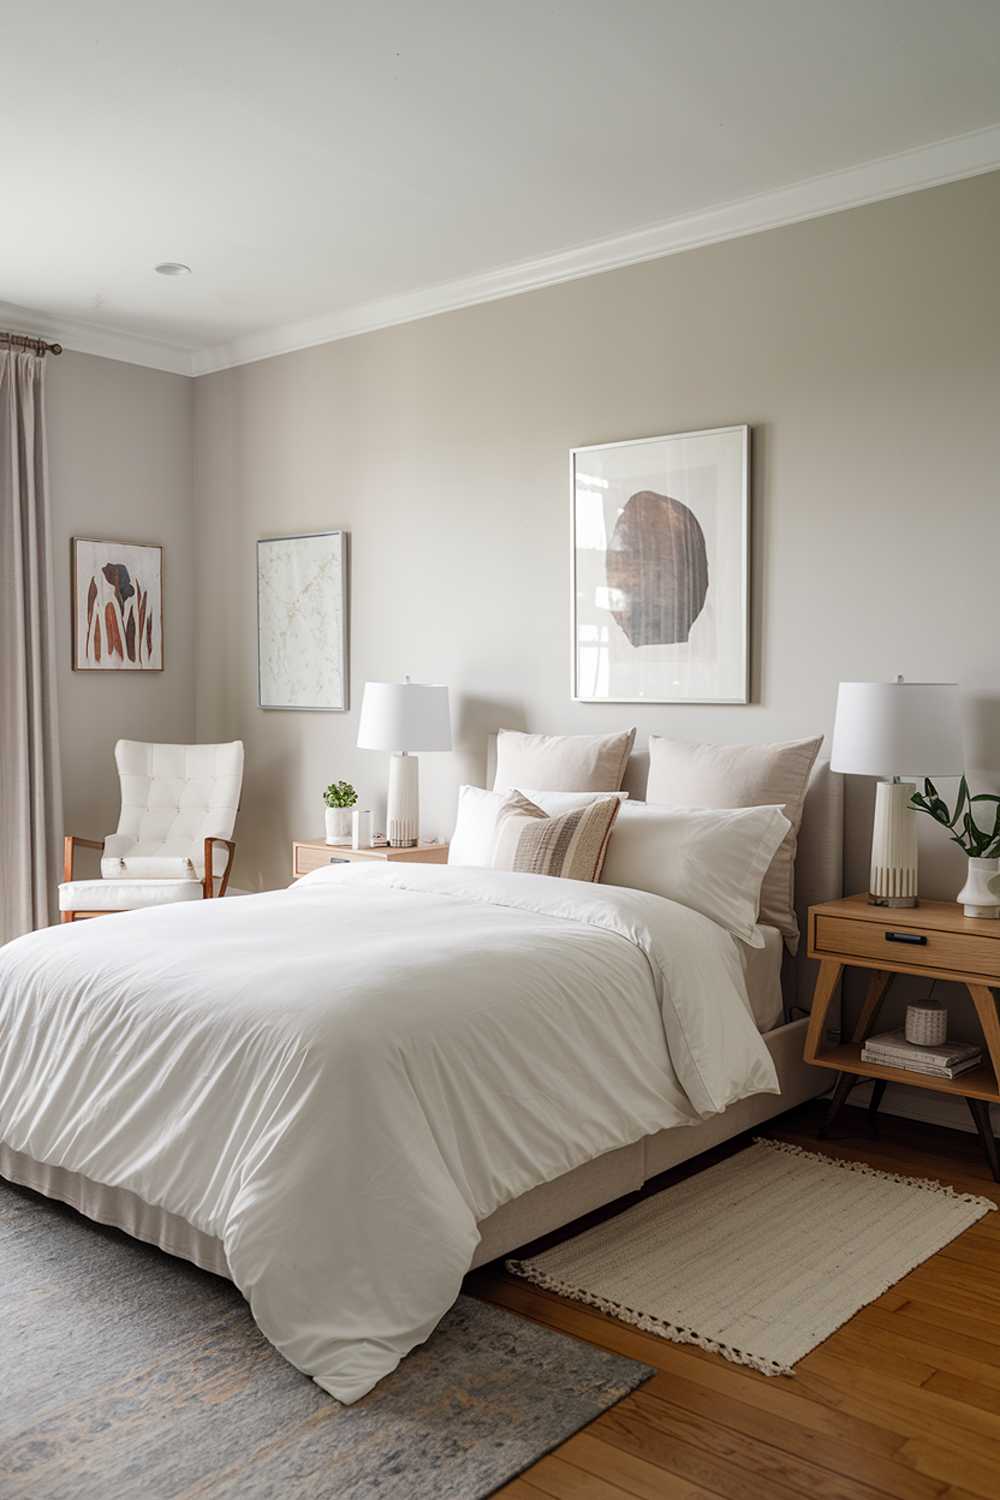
402, 819
893, 878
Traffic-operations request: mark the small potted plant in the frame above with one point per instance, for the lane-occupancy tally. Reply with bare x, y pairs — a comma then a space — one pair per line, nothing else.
980, 896
339, 797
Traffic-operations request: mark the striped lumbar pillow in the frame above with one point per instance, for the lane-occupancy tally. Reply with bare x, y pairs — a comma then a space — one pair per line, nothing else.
572, 845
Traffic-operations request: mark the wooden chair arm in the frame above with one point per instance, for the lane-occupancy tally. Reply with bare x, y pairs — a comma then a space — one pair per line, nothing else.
209, 882
70, 843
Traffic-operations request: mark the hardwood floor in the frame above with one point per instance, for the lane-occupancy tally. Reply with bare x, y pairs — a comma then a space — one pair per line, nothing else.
904, 1400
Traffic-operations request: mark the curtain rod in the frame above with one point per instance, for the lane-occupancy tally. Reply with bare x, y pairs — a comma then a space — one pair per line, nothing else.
25, 341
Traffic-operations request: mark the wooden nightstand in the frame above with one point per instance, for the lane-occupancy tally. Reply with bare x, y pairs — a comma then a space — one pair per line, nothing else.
312, 854
933, 940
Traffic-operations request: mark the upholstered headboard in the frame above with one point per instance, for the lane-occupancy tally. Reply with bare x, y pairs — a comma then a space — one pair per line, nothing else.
819, 871
819, 865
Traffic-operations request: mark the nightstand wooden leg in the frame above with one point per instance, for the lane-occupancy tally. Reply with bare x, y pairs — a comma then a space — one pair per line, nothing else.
878, 1089
830, 971
980, 1111
878, 987
986, 1010
845, 1082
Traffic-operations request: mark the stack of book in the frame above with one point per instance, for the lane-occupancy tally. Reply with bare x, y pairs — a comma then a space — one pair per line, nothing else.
890, 1049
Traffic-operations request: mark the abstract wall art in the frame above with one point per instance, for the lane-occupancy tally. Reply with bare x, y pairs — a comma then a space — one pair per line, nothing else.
302, 622
117, 604
661, 569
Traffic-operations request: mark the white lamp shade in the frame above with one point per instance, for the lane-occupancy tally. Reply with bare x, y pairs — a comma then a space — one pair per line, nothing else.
897, 729
404, 716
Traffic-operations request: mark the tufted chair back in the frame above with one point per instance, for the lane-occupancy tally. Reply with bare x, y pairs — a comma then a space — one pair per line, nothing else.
173, 798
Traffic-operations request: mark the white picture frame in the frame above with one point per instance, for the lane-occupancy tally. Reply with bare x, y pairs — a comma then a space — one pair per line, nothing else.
660, 569
302, 619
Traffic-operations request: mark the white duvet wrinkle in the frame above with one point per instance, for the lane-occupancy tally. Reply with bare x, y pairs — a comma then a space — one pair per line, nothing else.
669, 964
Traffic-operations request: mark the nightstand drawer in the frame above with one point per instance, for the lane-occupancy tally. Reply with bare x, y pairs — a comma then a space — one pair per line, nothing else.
903, 943
312, 857
314, 854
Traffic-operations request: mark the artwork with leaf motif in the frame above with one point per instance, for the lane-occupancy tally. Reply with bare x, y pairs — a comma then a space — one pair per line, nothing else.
117, 606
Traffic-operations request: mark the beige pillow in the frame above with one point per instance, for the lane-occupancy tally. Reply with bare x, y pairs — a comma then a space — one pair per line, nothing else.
687, 775
572, 845
562, 762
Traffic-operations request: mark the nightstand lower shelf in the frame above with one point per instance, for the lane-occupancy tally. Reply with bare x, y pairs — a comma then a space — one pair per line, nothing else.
977, 1083
978, 1087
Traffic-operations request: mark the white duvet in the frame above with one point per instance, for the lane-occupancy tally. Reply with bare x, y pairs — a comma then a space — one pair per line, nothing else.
339, 1080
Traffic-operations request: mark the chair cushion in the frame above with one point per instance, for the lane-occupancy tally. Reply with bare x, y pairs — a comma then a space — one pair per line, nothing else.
125, 895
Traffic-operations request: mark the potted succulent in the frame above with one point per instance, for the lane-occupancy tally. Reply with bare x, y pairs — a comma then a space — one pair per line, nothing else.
339, 797
980, 895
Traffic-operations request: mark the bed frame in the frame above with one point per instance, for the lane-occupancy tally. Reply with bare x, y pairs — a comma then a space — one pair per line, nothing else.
819, 877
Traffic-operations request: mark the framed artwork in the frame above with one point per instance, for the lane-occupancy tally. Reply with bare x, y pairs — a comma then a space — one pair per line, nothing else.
661, 569
117, 604
302, 622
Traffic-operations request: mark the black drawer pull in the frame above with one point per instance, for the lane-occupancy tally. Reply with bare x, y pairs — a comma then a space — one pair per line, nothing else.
907, 937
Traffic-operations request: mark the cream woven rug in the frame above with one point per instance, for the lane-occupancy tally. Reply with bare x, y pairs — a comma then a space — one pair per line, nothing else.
761, 1257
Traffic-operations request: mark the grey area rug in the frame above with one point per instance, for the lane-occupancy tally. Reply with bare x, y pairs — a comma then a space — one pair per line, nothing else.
761, 1257
126, 1373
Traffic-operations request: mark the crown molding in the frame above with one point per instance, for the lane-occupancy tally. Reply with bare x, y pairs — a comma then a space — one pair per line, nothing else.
92, 338
888, 177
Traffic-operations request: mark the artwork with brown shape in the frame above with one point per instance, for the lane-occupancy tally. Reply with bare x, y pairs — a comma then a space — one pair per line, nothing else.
657, 569
117, 606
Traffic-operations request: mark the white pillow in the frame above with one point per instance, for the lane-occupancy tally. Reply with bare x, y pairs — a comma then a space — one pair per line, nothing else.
562, 762
711, 859
475, 826
682, 774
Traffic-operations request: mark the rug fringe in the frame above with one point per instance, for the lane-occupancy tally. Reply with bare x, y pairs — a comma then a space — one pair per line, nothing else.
865, 1170
645, 1322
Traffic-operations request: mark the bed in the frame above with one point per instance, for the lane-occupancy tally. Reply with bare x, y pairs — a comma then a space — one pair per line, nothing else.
511, 1051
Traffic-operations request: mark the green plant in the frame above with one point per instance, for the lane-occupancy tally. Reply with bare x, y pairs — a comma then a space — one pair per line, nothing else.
340, 794
975, 841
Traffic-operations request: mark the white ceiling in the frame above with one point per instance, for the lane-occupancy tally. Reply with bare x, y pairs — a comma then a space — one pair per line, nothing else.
321, 165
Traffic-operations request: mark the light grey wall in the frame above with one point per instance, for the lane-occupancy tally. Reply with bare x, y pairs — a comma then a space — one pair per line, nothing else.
861, 347
120, 466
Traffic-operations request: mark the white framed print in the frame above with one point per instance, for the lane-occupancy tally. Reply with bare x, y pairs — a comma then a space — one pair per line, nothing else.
117, 605
302, 622
661, 569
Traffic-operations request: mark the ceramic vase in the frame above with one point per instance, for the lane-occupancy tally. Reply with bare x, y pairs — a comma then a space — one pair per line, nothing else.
980, 895
338, 825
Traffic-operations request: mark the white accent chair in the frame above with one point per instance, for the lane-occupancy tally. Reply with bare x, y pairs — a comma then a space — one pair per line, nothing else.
174, 839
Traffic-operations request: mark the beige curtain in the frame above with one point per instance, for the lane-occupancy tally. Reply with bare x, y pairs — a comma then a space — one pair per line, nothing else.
30, 799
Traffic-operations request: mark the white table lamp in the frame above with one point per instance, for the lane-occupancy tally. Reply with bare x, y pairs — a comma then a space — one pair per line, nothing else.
403, 717
891, 730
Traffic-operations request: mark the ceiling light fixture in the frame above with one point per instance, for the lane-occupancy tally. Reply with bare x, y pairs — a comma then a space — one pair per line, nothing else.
172, 268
